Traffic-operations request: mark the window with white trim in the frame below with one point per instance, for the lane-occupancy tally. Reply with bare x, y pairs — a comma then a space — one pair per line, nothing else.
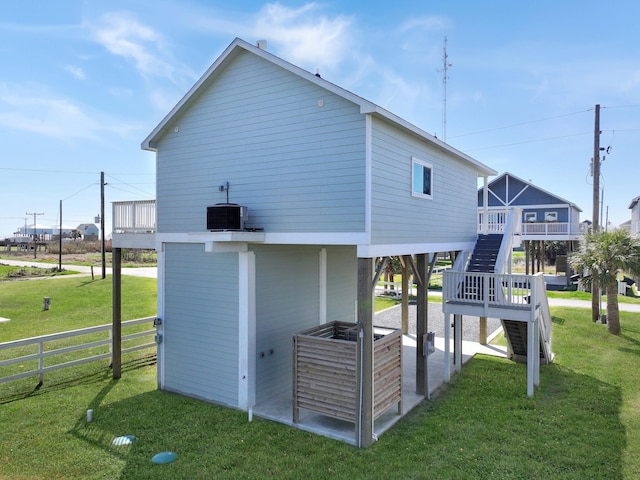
421, 179
550, 216
530, 217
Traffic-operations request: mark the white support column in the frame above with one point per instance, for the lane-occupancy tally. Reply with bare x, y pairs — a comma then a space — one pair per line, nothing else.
457, 320
536, 372
246, 330
531, 360
160, 309
447, 347
485, 201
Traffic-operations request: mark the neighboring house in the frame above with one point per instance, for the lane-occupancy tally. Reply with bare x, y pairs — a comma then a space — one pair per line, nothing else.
635, 216
626, 225
328, 182
89, 231
585, 225
545, 216
41, 231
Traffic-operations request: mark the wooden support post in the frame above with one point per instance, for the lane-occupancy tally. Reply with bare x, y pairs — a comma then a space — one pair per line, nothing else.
116, 332
482, 335
421, 323
364, 369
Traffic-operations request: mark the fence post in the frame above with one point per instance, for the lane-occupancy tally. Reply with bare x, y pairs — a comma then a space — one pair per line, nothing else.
40, 364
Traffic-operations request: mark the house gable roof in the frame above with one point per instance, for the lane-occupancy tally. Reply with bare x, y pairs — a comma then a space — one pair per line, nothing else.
502, 179
366, 107
634, 202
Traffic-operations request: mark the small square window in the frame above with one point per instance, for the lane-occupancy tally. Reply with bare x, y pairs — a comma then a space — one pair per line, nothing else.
421, 179
530, 217
550, 216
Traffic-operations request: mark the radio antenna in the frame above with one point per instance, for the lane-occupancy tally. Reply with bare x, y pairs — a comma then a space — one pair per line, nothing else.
445, 67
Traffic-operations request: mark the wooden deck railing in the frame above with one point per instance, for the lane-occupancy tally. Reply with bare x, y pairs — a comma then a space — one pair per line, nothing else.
492, 295
488, 289
497, 219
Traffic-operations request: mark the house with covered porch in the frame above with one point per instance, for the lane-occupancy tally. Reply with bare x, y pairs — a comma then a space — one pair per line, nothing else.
277, 191
545, 217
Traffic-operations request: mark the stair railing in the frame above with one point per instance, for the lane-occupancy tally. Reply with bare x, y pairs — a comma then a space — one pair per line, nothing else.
460, 265
511, 231
539, 296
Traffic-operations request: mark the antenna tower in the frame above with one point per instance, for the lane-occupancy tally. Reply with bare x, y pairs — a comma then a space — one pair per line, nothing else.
445, 67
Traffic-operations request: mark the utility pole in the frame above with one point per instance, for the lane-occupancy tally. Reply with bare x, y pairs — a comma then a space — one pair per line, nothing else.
102, 245
595, 225
35, 236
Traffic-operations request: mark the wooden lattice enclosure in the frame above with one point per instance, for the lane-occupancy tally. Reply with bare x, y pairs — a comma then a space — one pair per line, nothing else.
324, 370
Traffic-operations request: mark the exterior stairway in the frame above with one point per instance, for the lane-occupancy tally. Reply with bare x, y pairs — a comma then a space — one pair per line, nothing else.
481, 284
485, 254
483, 259
516, 334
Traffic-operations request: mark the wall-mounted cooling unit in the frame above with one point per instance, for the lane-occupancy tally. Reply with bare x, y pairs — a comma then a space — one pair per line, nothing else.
226, 216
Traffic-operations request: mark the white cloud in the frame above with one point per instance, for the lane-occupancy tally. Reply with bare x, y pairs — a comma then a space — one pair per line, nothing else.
304, 36
434, 23
33, 108
124, 36
76, 72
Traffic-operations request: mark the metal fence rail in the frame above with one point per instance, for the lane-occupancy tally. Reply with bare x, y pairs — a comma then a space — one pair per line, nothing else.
47, 354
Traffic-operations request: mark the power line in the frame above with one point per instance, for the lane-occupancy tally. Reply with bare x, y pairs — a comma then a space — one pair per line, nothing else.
35, 170
128, 184
92, 184
521, 124
528, 141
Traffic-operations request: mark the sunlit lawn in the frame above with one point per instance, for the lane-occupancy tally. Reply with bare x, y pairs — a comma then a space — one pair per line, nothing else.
582, 423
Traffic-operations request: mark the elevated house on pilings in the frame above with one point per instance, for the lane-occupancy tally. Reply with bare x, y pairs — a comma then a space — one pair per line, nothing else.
545, 217
277, 191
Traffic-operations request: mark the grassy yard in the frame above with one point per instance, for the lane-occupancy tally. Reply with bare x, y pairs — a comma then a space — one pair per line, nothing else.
582, 423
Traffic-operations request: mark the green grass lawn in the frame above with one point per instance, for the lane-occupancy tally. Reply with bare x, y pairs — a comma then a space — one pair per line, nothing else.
76, 302
10, 272
578, 295
582, 423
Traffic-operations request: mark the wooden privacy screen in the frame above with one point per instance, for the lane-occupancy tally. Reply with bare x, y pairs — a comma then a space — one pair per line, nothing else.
324, 371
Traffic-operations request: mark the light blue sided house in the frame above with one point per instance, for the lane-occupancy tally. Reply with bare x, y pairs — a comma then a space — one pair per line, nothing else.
276, 192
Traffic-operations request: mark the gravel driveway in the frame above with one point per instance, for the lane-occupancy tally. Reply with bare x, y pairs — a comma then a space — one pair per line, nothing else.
391, 318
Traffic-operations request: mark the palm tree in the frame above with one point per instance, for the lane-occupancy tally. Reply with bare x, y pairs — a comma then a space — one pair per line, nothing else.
603, 255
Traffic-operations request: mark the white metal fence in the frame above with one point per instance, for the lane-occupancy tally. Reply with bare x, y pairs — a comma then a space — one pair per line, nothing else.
46, 352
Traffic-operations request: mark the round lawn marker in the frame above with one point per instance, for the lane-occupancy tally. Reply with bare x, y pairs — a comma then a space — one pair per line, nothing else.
164, 457
123, 440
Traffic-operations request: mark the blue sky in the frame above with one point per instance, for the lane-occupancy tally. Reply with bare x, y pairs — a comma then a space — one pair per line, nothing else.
82, 83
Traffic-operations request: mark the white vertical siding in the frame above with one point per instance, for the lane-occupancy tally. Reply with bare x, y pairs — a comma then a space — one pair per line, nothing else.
397, 216
201, 323
298, 166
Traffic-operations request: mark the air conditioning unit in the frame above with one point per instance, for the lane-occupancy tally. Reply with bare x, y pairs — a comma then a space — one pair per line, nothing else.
226, 216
